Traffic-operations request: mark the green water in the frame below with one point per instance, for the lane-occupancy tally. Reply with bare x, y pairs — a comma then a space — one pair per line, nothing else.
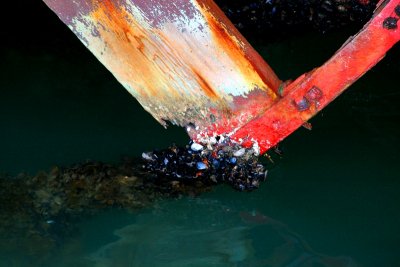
332, 200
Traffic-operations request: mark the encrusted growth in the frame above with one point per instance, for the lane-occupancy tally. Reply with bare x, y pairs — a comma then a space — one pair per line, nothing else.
218, 161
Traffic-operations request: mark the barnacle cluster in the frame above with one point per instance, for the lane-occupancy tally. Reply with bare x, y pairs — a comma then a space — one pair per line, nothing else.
217, 161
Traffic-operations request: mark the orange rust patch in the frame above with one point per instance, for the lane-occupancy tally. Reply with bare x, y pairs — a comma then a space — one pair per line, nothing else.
236, 45
109, 5
130, 49
163, 65
262, 71
140, 45
222, 35
117, 16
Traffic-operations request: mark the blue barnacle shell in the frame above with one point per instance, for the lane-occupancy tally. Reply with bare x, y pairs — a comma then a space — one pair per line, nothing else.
303, 104
215, 163
201, 165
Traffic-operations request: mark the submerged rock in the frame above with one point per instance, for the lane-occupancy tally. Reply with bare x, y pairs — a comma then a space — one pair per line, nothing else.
45, 208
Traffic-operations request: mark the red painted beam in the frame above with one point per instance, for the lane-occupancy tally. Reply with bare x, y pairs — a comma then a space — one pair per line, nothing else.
311, 92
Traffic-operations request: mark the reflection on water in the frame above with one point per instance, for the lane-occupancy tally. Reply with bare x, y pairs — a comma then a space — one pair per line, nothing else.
202, 232
181, 232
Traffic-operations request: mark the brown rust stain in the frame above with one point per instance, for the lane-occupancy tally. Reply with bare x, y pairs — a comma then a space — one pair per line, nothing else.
205, 86
140, 45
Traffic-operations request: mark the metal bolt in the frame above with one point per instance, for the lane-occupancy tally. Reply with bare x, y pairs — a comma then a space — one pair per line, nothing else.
390, 23
302, 105
397, 10
314, 94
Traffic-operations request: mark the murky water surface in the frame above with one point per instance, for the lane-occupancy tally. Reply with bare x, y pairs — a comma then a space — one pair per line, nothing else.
332, 200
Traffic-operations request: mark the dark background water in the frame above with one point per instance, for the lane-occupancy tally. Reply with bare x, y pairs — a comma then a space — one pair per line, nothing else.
336, 187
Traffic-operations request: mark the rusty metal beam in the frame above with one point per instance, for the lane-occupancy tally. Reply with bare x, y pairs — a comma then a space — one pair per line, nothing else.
183, 60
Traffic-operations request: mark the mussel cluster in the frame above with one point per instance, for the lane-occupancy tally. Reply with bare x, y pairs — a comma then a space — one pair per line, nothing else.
282, 17
217, 161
